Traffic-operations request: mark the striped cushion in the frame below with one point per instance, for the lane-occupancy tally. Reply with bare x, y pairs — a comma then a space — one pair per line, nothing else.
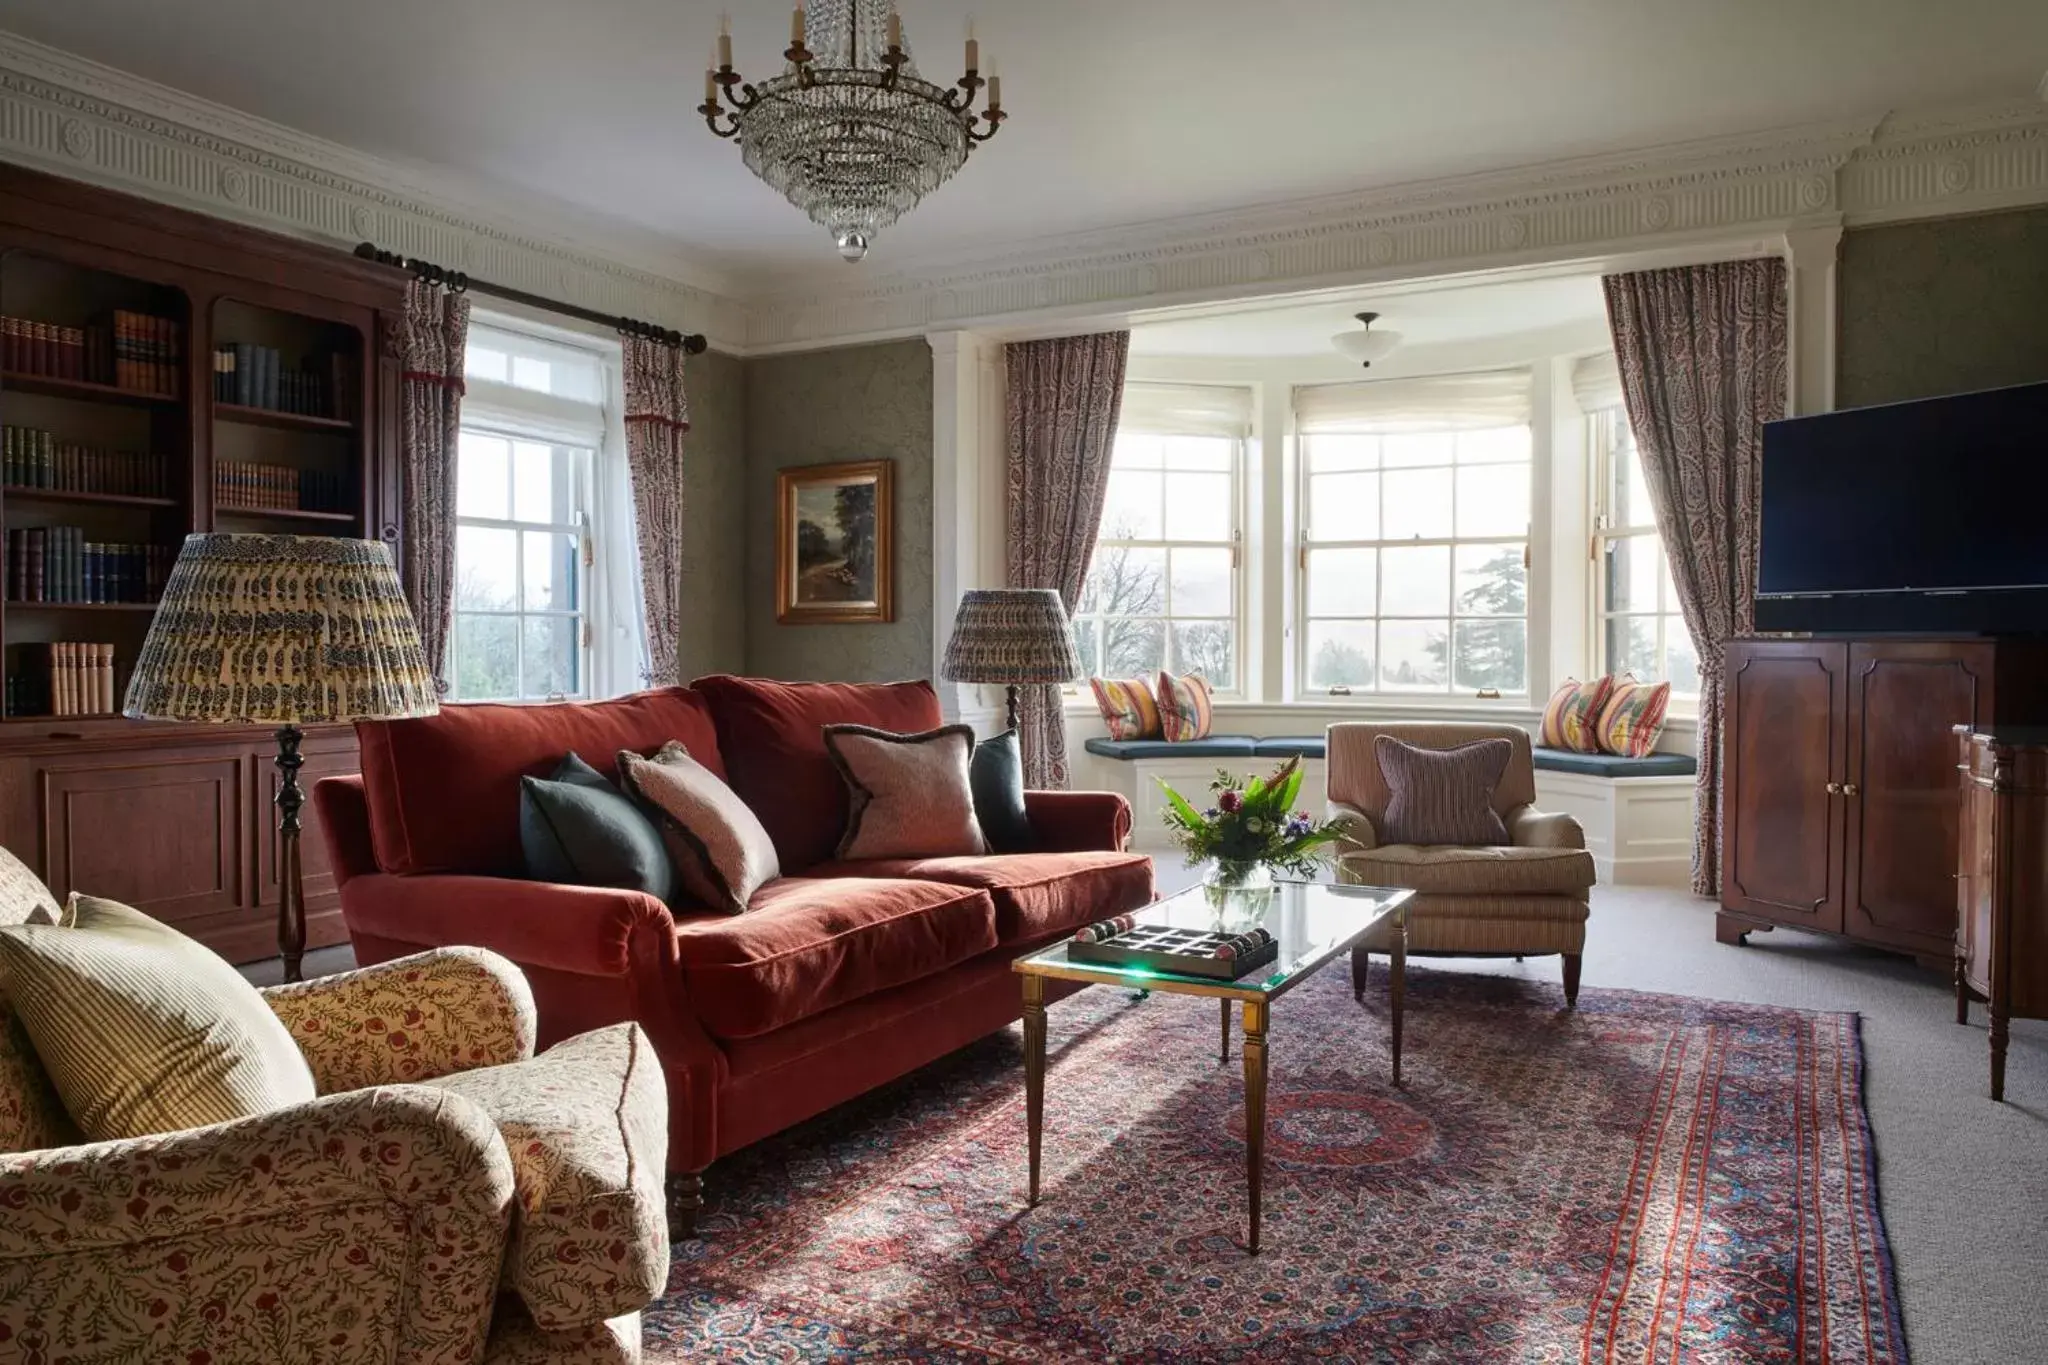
1442, 796
1127, 707
1186, 710
143, 1030
1633, 719
1571, 718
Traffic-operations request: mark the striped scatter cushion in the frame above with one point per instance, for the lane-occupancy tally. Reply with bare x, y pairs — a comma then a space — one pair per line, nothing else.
1442, 796
1633, 719
141, 1029
1127, 707
1186, 709
1571, 718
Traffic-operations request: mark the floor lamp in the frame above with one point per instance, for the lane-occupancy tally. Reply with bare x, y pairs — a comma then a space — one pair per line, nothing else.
284, 631
1013, 636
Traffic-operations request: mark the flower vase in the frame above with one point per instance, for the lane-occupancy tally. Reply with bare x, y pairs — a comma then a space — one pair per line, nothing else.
1229, 874
1239, 892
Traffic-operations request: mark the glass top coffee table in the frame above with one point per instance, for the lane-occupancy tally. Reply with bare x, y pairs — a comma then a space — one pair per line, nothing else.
1313, 923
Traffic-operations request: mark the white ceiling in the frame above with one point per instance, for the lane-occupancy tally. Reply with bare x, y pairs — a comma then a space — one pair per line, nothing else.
1122, 112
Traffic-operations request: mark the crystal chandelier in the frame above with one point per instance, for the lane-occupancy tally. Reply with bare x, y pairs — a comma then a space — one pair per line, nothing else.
850, 133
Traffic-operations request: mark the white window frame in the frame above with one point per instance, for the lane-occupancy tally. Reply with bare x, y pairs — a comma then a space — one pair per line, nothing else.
611, 647
1608, 436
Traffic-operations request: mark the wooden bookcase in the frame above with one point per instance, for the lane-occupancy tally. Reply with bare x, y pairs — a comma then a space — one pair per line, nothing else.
138, 442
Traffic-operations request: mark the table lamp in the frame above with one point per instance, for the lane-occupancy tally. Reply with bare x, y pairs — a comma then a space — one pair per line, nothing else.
1013, 636
284, 631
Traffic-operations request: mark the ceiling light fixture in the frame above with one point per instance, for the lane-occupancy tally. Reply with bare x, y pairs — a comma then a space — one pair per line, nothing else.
850, 133
1366, 346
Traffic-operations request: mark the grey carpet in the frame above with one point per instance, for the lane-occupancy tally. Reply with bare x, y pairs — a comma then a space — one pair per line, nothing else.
1963, 1181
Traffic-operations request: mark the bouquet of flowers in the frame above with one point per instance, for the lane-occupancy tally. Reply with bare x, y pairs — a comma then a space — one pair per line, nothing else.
1251, 827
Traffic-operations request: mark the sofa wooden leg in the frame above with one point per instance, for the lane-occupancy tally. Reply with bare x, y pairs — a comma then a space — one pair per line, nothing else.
1361, 973
1571, 980
685, 1199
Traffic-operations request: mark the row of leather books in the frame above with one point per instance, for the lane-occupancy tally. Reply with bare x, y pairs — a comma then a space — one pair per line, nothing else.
139, 352
275, 487
58, 564
253, 376
67, 678
35, 458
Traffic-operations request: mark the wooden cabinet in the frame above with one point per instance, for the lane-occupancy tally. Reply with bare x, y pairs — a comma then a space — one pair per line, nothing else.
2001, 889
1840, 809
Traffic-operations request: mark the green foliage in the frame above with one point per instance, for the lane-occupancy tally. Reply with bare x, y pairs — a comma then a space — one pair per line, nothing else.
1252, 821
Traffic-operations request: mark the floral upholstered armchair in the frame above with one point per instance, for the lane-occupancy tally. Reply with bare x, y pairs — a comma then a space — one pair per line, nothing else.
449, 1198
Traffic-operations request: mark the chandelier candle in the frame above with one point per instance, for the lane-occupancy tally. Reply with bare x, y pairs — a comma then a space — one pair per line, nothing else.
849, 132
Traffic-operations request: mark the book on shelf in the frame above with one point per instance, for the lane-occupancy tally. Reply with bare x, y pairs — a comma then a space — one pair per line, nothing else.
38, 459
240, 485
252, 376
58, 564
139, 352
64, 678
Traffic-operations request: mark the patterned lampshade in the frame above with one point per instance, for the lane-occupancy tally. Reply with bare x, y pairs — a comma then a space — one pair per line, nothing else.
281, 630
1011, 635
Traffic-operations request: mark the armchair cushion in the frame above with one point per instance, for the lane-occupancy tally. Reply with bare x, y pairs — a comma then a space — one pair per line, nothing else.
410, 1019
1444, 870
1442, 796
586, 1124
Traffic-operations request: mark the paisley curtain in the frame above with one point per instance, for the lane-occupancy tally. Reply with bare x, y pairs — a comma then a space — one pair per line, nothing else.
1702, 353
1065, 396
657, 415
432, 340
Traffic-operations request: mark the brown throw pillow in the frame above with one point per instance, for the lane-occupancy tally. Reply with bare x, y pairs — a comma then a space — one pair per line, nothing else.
1442, 796
721, 853
911, 797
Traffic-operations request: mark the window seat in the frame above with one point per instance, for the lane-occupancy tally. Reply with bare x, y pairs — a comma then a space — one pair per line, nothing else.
1311, 746
1608, 765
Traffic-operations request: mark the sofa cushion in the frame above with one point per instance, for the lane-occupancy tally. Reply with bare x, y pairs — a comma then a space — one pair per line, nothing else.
1036, 894
1444, 870
807, 944
722, 855
586, 1125
772, 735
576, 828
908, 795
996, 775
443, 790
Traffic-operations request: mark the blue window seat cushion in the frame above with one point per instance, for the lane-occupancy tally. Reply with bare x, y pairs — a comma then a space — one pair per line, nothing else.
1608, 765
1214, 746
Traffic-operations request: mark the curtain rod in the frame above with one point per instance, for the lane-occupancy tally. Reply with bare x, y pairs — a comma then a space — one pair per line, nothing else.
692, 343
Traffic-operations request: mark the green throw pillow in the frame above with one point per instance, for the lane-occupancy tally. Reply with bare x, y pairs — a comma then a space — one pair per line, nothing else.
996, 777
578, 829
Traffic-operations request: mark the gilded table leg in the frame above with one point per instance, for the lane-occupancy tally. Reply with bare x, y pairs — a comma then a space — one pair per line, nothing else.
1034, 1070
1254, 1107
1397, 988
1224, 1054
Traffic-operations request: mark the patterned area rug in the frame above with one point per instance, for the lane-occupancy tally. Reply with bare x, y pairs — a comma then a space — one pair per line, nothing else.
1650, 1179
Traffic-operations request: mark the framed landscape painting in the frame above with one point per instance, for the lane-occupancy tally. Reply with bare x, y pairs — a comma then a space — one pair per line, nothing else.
834, 543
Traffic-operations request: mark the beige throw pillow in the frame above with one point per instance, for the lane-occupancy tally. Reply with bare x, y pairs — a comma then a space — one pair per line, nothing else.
143, 1030
722, 855
911, 797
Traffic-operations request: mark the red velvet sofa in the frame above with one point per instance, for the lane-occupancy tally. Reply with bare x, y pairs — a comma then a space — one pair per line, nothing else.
841, 976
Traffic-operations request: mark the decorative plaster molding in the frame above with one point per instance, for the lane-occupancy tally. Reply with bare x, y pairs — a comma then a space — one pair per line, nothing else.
77, 118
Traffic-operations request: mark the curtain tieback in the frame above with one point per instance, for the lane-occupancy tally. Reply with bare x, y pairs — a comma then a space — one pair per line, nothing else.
446, 381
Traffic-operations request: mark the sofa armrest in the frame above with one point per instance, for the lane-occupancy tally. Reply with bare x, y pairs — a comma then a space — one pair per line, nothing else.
1357, 832
366, 1225
344, 812
1079, 822
1531, 828
410, 1019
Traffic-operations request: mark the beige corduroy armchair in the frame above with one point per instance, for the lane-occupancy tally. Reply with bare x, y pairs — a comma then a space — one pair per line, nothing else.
1525, 899
449, 1198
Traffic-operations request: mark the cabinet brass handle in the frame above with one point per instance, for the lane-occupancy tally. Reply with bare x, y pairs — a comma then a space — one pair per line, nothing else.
1848, 789
1834, 789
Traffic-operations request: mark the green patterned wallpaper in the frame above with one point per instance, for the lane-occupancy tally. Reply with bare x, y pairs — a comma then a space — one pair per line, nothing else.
714, 516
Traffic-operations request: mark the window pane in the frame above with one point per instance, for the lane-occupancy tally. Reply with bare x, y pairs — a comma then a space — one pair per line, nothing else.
1340, 654
529, 373
1198, 452
1201, 583
486, 569
1132, 510
1087, 632
1669, 601
1327, 453
1493, 500
486, 663
482, 476
1493, 446
1681, 661
1415, 580
1634, 564
1133, 648
553, 564
1136, 450
1198, 507
542, 487
1492, 580
1628, 497
1343, 582
1207, 648
1418, 504
1418, 448
1344, 507
1125, 582
483, 362
1632, 647
1412, 655
551, 654
1491, 654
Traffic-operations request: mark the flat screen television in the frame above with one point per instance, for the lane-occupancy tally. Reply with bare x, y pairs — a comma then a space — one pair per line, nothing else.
1913, 517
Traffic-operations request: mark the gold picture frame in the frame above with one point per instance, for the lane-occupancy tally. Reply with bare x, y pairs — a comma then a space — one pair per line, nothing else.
835, 543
